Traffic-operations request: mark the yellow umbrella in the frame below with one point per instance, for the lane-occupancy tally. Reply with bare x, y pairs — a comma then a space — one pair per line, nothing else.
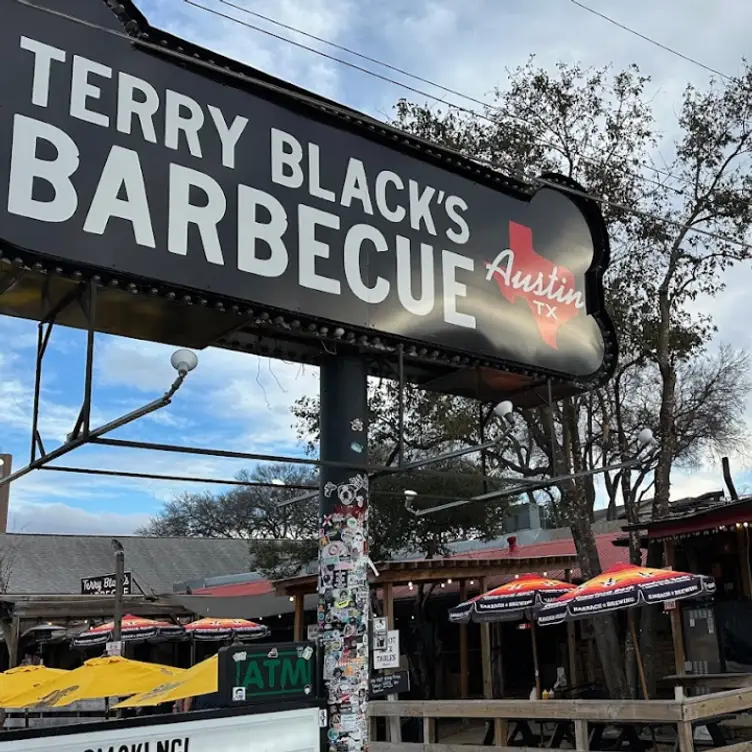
202, 679
97, 678
24, 679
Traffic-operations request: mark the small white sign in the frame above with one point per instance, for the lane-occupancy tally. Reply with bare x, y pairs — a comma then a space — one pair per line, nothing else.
379, 624
238, 694
114, 648
669, 605
389, 657
312, 632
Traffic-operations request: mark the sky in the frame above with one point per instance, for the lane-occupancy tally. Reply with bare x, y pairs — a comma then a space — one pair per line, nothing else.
240, 402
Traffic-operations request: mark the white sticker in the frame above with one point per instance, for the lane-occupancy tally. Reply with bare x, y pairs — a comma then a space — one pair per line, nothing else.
238, 694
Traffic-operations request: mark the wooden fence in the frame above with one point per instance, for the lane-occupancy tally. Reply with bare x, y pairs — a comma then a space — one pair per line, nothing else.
682, 714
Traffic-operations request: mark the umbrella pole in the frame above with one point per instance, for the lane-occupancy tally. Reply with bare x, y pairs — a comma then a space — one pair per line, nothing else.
536, 667
638, 655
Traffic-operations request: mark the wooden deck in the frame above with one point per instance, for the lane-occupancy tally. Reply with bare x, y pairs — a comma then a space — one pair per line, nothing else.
683, 715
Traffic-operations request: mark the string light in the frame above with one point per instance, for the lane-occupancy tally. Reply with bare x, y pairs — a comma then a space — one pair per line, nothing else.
710, 531
449, 581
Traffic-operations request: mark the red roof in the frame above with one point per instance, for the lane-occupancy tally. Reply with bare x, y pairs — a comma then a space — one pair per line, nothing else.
255, 587
608, 552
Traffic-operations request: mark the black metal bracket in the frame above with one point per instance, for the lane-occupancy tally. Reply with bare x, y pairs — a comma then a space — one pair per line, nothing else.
82, 433
85, 295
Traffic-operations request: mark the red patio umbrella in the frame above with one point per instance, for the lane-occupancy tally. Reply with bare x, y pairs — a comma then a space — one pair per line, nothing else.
514, 600
133, 629
225, 629
625, 586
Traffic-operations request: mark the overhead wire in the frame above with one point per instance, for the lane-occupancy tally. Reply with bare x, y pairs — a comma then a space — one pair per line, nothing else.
407, 87
650, 40
313, 101
396, 69
622, 207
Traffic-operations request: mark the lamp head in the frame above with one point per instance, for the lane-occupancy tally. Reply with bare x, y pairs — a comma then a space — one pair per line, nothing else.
277, 482
410, 495
184, 361
504, 409
646, 439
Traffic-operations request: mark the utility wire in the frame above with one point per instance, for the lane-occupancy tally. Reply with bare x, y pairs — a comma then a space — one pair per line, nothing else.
652, 41
196, 62
401, 71
400, 84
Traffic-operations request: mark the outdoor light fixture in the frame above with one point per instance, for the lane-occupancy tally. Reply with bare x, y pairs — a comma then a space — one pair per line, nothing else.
184, 361
646, 439
504, 410
277, 482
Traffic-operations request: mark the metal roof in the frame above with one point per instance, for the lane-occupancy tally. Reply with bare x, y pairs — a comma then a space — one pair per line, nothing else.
55, 564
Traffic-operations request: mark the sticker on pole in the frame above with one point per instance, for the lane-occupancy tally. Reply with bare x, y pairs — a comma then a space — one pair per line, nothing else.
115, 648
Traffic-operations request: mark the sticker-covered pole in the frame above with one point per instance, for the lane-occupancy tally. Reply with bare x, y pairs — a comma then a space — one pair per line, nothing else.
344, 602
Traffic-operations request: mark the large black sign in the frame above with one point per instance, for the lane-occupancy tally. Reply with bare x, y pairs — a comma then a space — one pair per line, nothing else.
105, 584
396, 683
251, 674
115, 158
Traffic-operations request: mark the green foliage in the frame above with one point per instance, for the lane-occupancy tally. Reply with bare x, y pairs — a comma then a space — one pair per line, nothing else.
281, 540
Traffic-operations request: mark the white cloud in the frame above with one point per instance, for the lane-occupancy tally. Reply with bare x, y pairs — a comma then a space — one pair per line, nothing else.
251, 393
63, 518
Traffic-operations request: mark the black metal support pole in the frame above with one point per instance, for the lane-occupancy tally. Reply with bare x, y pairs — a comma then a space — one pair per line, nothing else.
44, 329
401, 396
344, 602
117, 621
90, 308
481, 440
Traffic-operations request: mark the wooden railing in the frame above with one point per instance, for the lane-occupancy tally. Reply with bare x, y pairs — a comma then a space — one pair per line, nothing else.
682, 715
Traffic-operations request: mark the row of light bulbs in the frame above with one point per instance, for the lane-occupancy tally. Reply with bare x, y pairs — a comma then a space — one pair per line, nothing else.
719, 529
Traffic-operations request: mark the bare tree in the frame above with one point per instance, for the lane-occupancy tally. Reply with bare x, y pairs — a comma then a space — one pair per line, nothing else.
597, 127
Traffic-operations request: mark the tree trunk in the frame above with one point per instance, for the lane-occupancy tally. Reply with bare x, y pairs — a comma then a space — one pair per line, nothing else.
604, 627
578, 509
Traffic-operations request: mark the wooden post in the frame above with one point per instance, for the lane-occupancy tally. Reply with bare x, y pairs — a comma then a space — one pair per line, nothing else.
742, 544
686, 737
571, 642
500, 724
395, 724
485, 653
638, 655
464, 671
429, 737
15, 639
298, 635
581, 736
536, 666
675, 616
